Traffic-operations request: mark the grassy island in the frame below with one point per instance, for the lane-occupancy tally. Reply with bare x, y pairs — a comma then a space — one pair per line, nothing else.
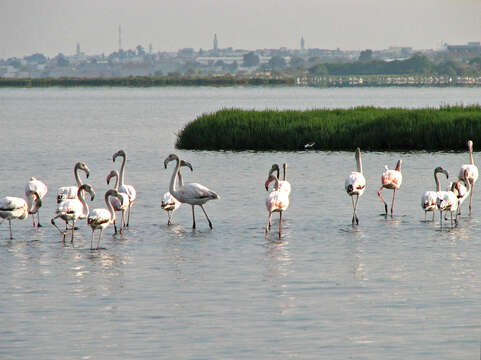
370, 128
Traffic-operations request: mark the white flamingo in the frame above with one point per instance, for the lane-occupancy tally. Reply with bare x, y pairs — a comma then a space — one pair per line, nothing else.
462, 189
32, 187
277, 201
391, 179
448, 201
469, 173
124, 188
118, 205
355, 185
170, 203
284, 185
17, 208
192, 193
70, 192
73, 209
429, 199
101, 218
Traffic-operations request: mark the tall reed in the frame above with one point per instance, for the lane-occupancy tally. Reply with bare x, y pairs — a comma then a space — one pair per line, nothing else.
370, 128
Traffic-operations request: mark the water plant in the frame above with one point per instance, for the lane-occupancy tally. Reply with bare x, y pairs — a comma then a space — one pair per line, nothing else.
370, 128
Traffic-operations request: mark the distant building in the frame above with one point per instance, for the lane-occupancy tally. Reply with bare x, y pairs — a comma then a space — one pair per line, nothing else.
216, 43
302, 43
471, 49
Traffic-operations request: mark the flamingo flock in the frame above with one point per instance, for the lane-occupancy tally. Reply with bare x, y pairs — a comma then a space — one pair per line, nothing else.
72, 204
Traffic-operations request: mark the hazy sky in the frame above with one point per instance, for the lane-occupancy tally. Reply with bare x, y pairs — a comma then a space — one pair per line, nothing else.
53, 26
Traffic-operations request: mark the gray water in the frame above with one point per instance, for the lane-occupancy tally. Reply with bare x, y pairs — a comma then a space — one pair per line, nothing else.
388, 289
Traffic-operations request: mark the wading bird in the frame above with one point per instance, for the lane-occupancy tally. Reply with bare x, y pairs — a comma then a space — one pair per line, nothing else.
170, 203
429, 199
469, 173
355, 185
119, 204
70, 192
191, 193
124, 188
448, 201
35, 186
73, 209
17, 208
101, 218
277, 201
283, 184
391, 179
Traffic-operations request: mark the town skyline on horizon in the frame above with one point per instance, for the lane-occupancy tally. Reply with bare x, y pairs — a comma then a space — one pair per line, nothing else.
51, 27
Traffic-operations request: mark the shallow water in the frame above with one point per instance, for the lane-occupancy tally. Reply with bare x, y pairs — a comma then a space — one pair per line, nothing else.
387, 289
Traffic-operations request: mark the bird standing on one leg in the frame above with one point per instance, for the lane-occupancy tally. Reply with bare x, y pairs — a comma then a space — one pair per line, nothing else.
355, 185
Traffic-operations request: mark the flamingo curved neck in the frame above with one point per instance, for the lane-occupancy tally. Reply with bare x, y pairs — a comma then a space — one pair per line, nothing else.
85, 206
174, 177
116, 187
110, 208
122, 171
359, 162
438, 186
471, 155
77, 177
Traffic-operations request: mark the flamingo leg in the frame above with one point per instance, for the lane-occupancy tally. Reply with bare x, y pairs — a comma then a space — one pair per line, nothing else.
38, 219
193, 217
471, 196
92, 240
33, 219
10, 226
268, 226
100, 238
355, 211
433, 216
392, 204
73, 229
441, 217
60, 231
280, 223
169, 222
128, 216
210, 223
115, 227
380, 196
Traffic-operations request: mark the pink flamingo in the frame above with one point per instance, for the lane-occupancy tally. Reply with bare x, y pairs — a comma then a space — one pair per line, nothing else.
391, 179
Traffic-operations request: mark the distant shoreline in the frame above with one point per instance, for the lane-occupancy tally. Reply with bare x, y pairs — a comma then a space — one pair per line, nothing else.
222, 81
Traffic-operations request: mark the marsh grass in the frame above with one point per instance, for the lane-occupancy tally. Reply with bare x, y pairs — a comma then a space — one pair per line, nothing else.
370, 128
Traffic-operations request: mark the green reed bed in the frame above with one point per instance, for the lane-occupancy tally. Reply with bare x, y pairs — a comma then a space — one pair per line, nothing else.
369, 128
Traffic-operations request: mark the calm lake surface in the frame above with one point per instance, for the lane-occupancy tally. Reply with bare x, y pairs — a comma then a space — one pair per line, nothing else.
388, 289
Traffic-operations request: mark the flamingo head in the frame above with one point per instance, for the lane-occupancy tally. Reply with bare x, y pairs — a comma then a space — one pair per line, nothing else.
88, 188
112, 174
349, 189
271, 178
439, 169
83, 166
117, 154
185, 163
398, 165
274, 168
470, 145
169, 158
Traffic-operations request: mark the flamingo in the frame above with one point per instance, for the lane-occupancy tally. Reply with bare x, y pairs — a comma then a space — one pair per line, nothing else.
462, 189
73, 209
70, 192
192, 193
448, 201
170, 203
17, 208
471, 175
32, 187
391, 179
284, 185
101, 218
276, 201
429, 199
355, 184
119, 205
124, 188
